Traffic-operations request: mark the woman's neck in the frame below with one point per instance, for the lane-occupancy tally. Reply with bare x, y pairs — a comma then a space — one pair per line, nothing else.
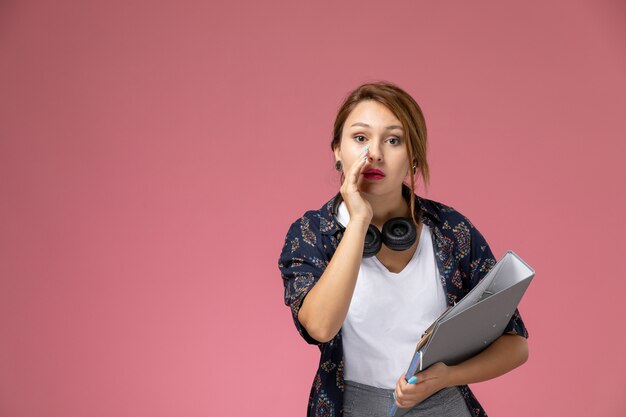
388, 206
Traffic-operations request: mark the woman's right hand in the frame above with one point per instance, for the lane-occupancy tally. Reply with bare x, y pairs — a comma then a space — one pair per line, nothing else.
358, 207
326, 305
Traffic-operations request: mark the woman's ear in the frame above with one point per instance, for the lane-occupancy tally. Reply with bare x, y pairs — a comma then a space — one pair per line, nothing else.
337, 153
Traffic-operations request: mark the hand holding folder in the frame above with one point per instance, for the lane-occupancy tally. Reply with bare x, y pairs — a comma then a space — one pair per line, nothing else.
472, 324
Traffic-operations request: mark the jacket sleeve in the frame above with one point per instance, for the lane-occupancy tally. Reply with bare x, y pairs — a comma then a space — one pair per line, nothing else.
481, 262
301, 264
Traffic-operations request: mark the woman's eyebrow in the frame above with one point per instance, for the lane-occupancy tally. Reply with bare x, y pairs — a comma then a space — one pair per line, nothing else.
368, 126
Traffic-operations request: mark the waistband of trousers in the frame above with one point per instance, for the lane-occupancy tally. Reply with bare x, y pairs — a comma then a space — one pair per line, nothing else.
383, 392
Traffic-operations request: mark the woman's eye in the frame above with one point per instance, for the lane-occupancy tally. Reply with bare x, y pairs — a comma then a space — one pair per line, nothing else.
359, 136
394, 141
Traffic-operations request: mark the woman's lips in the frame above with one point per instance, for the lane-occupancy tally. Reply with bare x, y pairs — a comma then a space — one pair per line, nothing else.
374, 174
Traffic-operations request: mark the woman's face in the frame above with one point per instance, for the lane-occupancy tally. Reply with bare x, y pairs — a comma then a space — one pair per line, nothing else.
373, 124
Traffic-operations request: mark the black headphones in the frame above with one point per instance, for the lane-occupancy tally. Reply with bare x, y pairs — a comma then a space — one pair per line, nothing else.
399, 233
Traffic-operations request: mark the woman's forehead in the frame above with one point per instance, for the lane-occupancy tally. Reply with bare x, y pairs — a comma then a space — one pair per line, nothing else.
372, 114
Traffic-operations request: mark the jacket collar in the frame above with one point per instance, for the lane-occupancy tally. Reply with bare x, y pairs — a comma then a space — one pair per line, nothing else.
429, 212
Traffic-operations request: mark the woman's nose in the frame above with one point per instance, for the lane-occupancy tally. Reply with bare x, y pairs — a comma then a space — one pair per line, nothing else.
375, 152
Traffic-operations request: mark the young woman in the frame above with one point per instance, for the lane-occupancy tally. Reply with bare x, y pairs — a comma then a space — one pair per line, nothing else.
368, 272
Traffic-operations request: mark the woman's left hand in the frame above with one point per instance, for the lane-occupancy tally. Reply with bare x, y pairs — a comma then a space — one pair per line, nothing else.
428, 382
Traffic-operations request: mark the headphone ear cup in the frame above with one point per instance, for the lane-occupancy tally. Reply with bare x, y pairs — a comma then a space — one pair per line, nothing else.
399, 233
373, 242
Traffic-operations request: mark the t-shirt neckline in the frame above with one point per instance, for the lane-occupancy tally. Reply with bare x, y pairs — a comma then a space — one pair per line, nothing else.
409, 266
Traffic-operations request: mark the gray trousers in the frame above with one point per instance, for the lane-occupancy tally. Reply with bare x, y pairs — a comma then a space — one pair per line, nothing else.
360, 400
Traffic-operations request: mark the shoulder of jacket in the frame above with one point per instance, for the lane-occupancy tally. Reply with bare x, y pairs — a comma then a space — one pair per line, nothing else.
309, 217
449, 216
306, 227
320, 221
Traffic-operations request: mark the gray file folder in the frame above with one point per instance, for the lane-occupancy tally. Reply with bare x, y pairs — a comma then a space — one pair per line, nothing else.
481, 316
476, 321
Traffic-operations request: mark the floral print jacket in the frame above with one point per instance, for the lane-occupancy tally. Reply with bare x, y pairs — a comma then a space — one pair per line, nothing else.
463, 258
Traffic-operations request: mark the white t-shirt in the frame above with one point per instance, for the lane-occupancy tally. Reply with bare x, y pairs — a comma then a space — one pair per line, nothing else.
388, 314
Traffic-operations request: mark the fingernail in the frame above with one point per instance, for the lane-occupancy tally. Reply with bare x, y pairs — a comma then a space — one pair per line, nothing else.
394, 396
365, 149
364, 158
413, 380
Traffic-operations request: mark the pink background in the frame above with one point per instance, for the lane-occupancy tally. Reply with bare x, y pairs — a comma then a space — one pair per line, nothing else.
153, 155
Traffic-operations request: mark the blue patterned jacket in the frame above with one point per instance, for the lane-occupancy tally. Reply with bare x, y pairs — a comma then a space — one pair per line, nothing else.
463, 257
